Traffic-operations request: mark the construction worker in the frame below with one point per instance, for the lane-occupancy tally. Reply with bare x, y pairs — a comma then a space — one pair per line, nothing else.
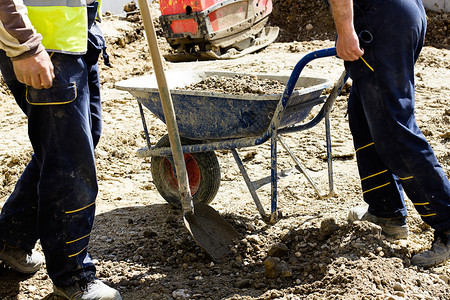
49, 61
380, 42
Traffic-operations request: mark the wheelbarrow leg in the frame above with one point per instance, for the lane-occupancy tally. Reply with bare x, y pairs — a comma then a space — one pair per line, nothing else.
329, 155
274, 176
299, 165
302, 169
250, 185
144, 124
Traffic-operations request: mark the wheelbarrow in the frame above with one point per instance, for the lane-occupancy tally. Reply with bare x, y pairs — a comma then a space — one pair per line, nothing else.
211, 121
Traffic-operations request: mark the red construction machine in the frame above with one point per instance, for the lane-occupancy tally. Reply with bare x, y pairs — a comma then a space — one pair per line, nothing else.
215, 29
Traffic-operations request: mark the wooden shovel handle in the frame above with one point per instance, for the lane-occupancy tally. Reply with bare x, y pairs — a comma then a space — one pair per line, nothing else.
167, 105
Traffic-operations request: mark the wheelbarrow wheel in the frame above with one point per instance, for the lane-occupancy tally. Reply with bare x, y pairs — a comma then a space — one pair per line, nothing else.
203, 173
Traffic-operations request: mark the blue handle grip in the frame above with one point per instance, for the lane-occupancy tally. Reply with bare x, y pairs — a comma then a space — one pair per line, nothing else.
301, 65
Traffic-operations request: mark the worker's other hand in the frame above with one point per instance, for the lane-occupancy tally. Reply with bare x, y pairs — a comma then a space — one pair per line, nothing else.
347, 47
36, 71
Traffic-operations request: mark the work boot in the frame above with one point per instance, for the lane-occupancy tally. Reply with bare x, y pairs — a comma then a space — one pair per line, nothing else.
20, 260
439, 252
391, 228
84, 289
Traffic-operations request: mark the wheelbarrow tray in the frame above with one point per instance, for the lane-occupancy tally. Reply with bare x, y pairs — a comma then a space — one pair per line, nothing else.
205, 115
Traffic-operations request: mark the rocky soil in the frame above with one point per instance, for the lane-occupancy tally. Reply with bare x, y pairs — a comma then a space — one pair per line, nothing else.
140, 243
238, 85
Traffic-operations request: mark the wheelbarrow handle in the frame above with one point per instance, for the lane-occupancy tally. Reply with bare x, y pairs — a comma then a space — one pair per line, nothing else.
292, 81
301, 65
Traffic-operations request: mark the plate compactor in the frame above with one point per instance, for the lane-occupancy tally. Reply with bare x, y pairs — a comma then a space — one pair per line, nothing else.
214, 29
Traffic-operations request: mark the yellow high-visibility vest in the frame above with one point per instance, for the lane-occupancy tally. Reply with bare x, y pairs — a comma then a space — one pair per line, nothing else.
62, 24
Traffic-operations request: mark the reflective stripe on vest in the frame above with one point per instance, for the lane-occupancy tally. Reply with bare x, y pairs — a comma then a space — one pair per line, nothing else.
62, 24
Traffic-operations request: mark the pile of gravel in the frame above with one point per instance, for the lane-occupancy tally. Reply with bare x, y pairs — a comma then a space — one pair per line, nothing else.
238, 85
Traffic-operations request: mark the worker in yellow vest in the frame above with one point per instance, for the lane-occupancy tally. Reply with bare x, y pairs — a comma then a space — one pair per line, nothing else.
48, 59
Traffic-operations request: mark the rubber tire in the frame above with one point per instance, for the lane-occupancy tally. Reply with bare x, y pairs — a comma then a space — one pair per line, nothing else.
203, 173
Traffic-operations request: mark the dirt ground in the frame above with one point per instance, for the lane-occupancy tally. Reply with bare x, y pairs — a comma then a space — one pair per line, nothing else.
141, 245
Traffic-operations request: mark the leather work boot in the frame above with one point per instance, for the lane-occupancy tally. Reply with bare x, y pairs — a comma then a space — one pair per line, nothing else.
439, 252
391, 228
20, 260
87, 290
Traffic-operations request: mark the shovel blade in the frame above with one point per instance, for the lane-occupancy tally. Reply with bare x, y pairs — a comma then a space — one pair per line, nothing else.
210, 230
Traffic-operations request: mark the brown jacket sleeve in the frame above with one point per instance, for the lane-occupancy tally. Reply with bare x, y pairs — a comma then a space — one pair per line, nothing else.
17, 35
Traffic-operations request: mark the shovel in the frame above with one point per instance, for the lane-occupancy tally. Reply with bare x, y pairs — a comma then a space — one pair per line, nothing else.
205, 224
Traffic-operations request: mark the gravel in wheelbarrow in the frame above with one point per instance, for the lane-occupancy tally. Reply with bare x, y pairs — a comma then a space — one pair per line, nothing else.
238, 85
217, 115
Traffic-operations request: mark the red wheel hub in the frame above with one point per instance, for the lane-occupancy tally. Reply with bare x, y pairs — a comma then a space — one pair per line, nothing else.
192, 168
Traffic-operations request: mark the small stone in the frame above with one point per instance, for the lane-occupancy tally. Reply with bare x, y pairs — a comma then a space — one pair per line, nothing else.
149, 233
251, 228
285, 271
278, 250
398, 287
181, 294
171, 219
327, 227
275, 268
259, 285
309, 26
399, 294
446, 135
130, 7
272, 271
444, 278
32, 288
254, 239
244, 283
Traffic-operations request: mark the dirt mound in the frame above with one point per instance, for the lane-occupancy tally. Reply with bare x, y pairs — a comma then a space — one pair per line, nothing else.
321, 258
302, 20
313, 20
438, 29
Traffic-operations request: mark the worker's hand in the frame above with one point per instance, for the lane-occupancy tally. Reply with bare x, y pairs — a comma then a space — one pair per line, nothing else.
347, 46
35, 71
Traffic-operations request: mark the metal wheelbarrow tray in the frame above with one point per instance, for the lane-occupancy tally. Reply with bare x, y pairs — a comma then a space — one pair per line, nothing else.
210, 121
203, 115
